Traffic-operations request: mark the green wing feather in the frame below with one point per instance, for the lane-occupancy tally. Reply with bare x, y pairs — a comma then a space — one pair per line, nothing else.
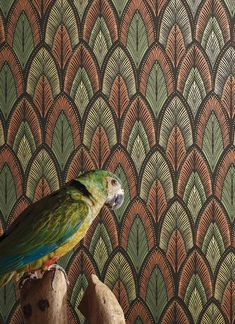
41, 229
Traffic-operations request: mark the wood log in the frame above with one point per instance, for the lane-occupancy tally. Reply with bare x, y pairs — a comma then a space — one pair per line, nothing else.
44, 301
99, 305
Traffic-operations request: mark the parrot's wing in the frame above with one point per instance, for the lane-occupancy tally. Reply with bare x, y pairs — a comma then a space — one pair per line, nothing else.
41, 230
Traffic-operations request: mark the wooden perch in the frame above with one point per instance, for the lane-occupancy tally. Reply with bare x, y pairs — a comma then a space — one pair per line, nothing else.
44, 301
99, 305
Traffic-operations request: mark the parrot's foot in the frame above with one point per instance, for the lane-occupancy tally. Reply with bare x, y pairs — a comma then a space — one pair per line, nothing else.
55, 267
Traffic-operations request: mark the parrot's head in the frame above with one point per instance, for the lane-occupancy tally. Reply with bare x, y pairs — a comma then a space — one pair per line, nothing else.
104, 184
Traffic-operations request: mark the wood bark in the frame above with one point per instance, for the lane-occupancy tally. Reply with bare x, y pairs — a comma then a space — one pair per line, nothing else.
44, 301
99, 305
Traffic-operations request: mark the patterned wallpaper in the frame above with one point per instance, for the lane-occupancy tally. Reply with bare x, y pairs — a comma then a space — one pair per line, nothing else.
145, 89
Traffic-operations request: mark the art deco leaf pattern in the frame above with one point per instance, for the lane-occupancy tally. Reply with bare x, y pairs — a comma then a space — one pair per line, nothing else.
145, 89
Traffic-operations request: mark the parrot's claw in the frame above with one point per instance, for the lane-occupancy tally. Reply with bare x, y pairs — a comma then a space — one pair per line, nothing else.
55, 267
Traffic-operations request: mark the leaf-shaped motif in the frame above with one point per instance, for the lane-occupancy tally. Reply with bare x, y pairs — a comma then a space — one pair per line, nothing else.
156, 82
80, 162
119, 64
118, 97
24, 133
156, 284
225, 286
80, 6
225, 183
7, 300
79, 271
231, 7
176, 237
139, 313
194, 184
212, 315
81, 78
156, 170
213, 234
174, 15
120, 164
21, 205
100, 28
61, 15
119, 5
195, 286
175, 46
23, 31
5, 6
42, 177
212, 131
212, 28
119, 274
10, 80
194, 80
225, 80
175, 313
43, 70
137, 30
62, 130
137, 236
176, 134
43, 96
193, 5
10, 181
138, 131
100, 124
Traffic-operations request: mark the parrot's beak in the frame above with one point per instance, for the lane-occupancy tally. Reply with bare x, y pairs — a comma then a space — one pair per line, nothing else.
116, 200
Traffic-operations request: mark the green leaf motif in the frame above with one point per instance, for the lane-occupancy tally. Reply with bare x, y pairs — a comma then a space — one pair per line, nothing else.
156, 297
23, 43
231, 6
212, 315
137, 246
7, 300
213, 245
212, 40
195, 296
78, 291
194, 194
81, 90
137, 41
194, 4
212, 144
156, 91
80, 6
100, 40
194, 90
62, 141
7, 191
8, 93
228, 192
24, 144
119, 5
101, 246
5, 6
138, 145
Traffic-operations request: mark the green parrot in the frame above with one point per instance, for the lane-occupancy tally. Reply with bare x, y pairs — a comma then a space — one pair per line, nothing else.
51, 227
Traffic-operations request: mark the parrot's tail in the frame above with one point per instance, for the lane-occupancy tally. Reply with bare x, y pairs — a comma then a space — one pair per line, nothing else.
5, 278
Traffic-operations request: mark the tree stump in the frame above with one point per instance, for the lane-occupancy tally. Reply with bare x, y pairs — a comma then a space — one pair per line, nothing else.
44, 301
99, 305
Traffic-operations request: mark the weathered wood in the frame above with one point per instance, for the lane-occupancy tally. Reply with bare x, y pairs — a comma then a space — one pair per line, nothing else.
99, 305
44, 301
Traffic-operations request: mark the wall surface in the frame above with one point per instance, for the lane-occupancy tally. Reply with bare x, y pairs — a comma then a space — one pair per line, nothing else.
145, 89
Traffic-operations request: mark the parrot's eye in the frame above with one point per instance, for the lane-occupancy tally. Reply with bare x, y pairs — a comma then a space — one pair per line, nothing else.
114, 182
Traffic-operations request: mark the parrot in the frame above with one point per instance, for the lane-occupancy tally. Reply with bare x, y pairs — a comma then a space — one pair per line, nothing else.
54, 225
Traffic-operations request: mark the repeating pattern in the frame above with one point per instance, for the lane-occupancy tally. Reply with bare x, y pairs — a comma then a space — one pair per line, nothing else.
145, 89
